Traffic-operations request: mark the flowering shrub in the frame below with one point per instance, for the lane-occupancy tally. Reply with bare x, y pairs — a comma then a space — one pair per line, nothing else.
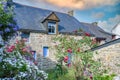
74, 53
8, 25
14, 64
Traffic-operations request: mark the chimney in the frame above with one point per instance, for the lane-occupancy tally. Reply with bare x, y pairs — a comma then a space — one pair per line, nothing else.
95, 23
71, 13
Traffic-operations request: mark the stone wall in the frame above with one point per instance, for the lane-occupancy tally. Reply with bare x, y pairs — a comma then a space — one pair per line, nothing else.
110, 57
37, 41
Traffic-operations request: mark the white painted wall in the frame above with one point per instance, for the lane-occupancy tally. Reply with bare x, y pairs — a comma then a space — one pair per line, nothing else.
116, 31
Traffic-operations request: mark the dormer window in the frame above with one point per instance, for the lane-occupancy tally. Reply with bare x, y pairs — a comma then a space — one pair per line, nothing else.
51, 27
51, 23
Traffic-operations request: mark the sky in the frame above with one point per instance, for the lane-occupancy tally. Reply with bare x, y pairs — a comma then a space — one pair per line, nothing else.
105, 12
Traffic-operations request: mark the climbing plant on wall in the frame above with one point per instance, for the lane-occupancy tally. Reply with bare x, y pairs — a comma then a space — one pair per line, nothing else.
75, 54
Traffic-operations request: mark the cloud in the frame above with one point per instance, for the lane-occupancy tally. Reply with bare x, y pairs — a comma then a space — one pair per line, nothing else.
81, 4
71, 4
110, 23
42, 4
98, 15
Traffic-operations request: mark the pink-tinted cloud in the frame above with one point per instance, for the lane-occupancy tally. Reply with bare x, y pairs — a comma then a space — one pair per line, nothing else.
81, 4
42, 4
66, 5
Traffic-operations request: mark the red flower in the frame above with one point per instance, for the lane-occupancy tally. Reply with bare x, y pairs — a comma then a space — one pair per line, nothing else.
87, 34
35, 62
10, 48
69, 50
66, 59
69, 65
78, 50
91, 78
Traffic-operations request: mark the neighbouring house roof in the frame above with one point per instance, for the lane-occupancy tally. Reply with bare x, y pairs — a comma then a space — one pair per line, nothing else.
107, 44
116, 29
30, 19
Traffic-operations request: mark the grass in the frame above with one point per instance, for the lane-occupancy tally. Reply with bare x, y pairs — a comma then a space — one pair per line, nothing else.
67, 76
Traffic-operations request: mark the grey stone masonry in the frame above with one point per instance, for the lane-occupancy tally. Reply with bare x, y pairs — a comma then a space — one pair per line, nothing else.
110, 57
37, 41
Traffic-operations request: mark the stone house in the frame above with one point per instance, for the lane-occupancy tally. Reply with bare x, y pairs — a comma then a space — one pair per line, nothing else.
40, 26
109, 55
116, 30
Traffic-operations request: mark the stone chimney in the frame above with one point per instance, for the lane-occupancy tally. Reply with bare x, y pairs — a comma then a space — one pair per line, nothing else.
71, 13
95, 23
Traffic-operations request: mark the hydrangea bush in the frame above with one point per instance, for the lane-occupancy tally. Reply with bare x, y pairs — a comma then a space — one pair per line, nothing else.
15, 65
16, 61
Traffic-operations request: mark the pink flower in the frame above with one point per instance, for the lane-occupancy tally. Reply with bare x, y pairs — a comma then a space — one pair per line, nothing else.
32, 52
24, 49
69, 50
87, 34
24, 39
17, 42
66, 59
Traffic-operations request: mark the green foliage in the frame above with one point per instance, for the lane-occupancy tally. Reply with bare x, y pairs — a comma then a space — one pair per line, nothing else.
83, 64
104, 77
68, 75
8, 25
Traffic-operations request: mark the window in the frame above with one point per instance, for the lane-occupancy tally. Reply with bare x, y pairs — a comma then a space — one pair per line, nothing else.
45, 51
51, 27
26, 36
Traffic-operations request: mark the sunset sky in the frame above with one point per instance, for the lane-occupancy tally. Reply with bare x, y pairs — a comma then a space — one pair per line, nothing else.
105, 12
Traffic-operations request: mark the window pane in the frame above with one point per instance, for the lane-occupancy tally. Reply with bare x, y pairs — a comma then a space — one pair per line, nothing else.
25, 36
51, 27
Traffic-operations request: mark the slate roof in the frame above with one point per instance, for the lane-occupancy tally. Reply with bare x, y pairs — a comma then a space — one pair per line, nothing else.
29, 19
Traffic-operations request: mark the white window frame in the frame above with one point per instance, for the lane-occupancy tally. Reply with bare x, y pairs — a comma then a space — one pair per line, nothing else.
52, 24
